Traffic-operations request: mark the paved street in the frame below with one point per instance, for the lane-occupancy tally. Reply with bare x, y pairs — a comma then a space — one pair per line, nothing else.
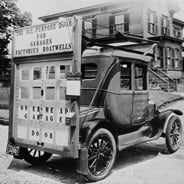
147, 163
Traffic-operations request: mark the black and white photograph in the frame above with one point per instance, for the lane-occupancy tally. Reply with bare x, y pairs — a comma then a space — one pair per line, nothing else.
91, 91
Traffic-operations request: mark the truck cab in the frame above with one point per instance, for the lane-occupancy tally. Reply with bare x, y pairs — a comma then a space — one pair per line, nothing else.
121, 81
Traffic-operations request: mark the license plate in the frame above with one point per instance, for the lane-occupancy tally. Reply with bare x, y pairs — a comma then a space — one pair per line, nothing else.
12, 150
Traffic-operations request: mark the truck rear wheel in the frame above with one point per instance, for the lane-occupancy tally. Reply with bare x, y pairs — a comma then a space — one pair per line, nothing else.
101, 154
173, 134
35, 157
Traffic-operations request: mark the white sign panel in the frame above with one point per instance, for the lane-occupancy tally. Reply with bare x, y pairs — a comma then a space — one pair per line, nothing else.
49, 38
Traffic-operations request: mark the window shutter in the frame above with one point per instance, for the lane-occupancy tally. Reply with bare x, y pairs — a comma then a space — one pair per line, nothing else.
156, 24
83, 30
155, 19
148, 17
162, 24
156, 29
126, 22
94, 27
173, 57
149, 28
111, 24
166, 55
168, 26
168, 23
173, 52
162, 21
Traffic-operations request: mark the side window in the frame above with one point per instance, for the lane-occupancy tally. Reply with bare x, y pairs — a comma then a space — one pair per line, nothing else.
125, 76
89, 71
140, 78
152, 23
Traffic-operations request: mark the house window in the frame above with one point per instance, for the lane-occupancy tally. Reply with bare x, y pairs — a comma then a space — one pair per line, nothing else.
140, 77
119, 23
177, 59
173, 58
169, 57
160, 57
165, 26
152, 23
125, 76
89, 27
177, 32
89, 71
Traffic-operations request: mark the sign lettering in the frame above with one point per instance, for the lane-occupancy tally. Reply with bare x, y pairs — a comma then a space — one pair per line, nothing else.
49, 38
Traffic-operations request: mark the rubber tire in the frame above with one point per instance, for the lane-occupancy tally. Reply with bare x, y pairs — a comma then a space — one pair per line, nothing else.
98, 132
169, 145
34, 160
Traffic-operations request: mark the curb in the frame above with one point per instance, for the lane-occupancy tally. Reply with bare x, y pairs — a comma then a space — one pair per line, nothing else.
4, 121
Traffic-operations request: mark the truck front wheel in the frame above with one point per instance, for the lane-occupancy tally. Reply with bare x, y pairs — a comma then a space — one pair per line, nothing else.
173, 134
35, 157
101, 154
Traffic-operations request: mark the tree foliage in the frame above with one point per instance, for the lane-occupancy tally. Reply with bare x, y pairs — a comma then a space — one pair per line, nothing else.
10, 18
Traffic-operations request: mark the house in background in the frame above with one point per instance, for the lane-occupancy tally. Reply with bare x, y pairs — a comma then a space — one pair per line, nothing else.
151, 20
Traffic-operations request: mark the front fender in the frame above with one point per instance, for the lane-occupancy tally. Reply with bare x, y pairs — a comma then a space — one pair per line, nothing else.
165, 116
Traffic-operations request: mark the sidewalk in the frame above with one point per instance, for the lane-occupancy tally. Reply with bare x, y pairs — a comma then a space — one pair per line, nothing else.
179, 93
161, 98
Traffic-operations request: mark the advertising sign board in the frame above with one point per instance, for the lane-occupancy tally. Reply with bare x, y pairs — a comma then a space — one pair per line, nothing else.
49, 38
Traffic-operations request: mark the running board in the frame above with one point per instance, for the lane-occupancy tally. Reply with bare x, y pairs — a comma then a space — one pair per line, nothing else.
141, 135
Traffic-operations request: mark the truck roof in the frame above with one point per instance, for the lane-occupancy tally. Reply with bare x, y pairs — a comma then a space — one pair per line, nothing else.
96, 51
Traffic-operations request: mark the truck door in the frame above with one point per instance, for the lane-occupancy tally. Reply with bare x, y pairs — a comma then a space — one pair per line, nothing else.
140, 99
126, 92
41, 105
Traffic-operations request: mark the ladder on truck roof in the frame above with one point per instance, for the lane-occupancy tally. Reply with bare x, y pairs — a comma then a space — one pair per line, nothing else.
122, 41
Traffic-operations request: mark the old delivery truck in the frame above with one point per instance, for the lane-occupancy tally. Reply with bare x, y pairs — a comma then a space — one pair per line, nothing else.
84, 108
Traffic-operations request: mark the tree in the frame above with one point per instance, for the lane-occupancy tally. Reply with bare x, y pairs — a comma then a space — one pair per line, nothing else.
10, 17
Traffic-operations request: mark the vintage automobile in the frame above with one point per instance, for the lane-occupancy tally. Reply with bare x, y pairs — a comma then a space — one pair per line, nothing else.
115, 88
110, 111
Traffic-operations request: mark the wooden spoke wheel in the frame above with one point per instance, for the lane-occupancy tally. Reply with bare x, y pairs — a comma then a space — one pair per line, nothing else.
101, 154
173, 134
35, 157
